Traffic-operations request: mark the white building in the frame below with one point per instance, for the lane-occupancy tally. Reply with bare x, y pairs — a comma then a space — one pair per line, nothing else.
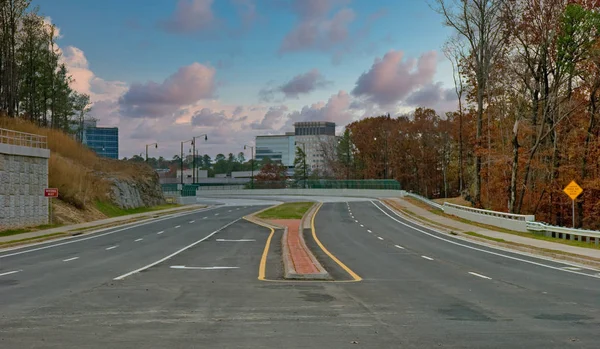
309, 136
314, 135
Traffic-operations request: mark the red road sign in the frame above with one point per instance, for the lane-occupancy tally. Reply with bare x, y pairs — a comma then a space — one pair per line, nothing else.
51, 192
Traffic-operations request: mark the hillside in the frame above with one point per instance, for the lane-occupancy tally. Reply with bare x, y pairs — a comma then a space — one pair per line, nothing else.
88, 184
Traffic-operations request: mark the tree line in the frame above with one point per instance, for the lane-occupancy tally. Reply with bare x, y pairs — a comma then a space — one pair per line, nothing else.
221, 164
34, 83
527, 78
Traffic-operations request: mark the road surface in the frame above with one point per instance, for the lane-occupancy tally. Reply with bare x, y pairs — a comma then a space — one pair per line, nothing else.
419, 289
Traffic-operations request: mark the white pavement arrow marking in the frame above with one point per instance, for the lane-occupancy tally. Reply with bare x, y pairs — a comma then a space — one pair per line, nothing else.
240, 240
202, 268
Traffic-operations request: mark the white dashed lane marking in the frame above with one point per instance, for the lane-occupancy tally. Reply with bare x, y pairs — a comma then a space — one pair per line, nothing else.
110, 248
177, 226
428, 258
479, 275
140, 239
160, 232
11, 272
380, 238
398, 246
192, 222
70, 259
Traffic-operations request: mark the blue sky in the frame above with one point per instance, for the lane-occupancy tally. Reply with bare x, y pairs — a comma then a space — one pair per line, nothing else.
132, 50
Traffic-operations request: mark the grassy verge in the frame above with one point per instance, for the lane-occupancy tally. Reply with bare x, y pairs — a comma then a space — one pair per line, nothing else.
290, 210
32, 239
111, 210
10, 232
502, 230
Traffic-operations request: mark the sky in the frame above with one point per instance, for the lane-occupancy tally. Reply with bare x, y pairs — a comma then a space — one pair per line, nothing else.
167, 70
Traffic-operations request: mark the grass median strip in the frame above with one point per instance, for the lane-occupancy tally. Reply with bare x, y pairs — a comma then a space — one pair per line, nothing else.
290, 210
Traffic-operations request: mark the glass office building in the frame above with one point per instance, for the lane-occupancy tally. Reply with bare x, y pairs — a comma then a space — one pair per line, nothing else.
103, 140
278, 148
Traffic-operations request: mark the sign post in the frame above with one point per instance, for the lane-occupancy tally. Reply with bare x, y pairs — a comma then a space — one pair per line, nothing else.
50, 193
573, 190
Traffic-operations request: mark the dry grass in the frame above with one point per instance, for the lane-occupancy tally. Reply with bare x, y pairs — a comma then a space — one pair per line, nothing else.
457, 201
77, 172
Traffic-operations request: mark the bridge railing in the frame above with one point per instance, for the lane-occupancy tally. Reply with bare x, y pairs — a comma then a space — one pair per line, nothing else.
23, 139
425, 200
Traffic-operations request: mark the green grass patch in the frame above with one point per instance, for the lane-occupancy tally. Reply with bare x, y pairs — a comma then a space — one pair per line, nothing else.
111, 210
484, 236
290, 210
35, 238
10, 232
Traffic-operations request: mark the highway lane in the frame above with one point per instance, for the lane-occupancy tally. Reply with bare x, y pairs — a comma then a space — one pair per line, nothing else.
499, 302
48, 271
404, 300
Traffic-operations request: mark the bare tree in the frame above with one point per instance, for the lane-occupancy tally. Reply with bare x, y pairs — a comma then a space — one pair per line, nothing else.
479, 22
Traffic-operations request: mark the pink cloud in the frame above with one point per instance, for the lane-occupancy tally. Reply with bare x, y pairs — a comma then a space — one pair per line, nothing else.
390, 79
187, 86
315, 30
300, 84
337, 109
190, 16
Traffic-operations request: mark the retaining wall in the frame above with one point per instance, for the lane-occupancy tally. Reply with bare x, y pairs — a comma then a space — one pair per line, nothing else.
23, 178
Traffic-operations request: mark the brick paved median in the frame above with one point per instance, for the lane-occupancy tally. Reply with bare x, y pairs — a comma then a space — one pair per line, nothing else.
300, 257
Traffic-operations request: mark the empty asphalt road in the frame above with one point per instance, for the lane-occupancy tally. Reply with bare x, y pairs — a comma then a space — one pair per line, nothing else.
419, 289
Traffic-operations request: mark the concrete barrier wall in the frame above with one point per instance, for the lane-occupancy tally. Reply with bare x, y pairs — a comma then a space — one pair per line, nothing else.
368, 193
23, 177
498, 219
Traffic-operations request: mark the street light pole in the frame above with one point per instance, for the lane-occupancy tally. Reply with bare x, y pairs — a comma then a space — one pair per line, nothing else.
251, 164
147, 145
181, 158
194, 157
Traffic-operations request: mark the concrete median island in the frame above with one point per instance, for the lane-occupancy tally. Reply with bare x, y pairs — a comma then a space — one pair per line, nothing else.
298, 261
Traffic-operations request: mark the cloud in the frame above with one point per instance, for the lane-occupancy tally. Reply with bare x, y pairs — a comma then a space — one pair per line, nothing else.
187, 86
390, 79
208, 117
434, 96
246, 10
298, 85
272, 120
337, 109
85, 81
315, 29
190, 16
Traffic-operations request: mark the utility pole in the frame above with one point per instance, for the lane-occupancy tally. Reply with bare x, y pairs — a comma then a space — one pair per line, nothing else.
251, 164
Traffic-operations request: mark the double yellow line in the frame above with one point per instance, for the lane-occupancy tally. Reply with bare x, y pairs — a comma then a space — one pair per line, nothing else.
263, 261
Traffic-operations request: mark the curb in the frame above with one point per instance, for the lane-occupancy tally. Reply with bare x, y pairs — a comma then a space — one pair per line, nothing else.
289, 270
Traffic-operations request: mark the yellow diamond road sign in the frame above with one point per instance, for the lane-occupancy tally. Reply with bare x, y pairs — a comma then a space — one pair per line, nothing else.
573, 190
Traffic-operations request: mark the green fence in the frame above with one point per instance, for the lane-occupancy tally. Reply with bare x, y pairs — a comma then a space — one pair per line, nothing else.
384, 184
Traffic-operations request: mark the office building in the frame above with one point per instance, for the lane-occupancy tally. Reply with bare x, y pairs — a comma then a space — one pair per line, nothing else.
316, 137
278, 148
102, 140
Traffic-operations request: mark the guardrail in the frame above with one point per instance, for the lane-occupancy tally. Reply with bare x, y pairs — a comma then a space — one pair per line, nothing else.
510, 221
585, 235
23, 139
425, 200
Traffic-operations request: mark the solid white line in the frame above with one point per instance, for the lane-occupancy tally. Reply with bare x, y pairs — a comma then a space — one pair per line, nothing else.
380, 238
192, 222
240, 240
110, 248
175, 253
140, 239
479, 275
149, 221
400, 247
70, 259
428, 258
10, 272
480, 249
369, 230
201, 268
160, 232
177, 226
